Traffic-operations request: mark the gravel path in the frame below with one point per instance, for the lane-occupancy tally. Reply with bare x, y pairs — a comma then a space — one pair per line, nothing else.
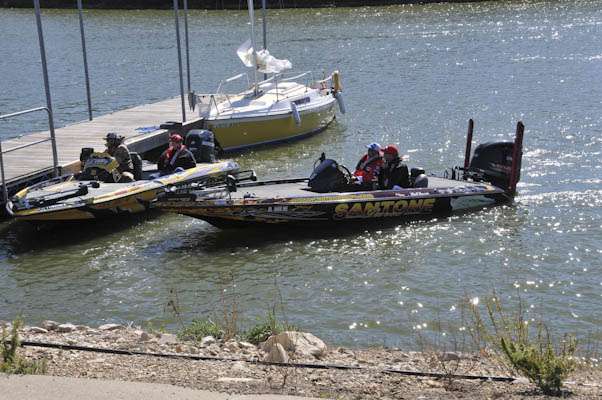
36, 387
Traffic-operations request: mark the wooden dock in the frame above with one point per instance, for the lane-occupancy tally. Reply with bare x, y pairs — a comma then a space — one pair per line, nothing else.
26, 166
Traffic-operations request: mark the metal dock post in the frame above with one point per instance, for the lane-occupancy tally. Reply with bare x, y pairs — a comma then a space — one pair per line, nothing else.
81, 29
175, 10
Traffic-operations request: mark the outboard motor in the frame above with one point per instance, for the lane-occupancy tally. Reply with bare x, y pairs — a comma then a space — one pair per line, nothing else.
201, 144
85, 154
327, 177
492, 162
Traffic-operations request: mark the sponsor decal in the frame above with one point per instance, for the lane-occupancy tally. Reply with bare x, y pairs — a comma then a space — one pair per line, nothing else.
468, 202
376, 209
278, 213
330, 198
44, 209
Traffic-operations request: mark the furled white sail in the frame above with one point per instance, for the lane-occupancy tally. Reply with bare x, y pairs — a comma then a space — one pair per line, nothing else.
266, 63
245, 53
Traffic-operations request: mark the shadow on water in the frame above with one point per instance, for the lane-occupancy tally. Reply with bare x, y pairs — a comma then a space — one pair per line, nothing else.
217, 240
17, 237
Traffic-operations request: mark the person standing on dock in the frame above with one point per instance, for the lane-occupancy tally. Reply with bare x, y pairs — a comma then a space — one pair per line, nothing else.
118, 150
176, 158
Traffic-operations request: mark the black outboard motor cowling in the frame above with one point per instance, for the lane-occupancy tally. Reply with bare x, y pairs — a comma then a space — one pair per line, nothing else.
327, 177
85, 153
201, 143
493, 161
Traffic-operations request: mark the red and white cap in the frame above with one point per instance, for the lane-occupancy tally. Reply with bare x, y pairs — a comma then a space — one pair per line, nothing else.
391, 149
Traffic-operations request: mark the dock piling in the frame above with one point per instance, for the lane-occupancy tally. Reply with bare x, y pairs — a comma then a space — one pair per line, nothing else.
46, 85
85, 56
4, 188
177, 17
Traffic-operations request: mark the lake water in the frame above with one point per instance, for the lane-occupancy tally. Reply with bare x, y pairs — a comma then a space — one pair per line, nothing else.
413, 75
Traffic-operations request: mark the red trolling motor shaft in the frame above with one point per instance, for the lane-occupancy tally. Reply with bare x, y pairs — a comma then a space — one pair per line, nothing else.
517, 155
468, 146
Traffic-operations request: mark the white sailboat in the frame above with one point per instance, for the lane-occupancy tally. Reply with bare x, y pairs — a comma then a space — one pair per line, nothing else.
273, 110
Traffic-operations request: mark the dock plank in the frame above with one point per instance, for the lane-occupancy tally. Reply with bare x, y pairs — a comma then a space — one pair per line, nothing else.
24, 164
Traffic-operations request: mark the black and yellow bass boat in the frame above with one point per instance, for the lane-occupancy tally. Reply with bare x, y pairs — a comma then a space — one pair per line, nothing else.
487, 179
77, 197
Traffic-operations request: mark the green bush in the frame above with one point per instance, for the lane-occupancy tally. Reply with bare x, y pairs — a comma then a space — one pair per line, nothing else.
259, 333
541, 362
267, 327
199, 328
526, 347
11, 362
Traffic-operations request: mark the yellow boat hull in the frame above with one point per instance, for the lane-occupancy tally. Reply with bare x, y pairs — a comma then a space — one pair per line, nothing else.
234, 133
113, 199
132, 204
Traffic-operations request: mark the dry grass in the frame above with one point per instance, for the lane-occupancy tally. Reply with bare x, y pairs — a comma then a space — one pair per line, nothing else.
12, 362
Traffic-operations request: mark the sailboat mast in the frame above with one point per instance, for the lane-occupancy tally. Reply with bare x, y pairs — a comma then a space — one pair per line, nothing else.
265, 40
252, 18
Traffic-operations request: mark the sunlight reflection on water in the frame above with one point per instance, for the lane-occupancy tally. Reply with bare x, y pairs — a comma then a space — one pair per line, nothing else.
413, 75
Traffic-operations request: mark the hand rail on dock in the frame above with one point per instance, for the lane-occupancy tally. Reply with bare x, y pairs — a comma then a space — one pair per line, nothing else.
51, 138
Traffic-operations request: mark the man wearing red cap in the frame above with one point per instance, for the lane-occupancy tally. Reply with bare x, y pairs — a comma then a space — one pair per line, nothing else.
176, 158
394, 174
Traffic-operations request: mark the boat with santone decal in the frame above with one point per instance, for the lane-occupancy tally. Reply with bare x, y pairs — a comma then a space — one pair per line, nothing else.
329, 196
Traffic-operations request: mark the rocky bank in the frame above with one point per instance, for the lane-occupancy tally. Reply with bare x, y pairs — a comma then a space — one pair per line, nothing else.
234, 366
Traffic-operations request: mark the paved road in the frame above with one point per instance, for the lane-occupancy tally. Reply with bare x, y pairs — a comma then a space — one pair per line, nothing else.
40, 387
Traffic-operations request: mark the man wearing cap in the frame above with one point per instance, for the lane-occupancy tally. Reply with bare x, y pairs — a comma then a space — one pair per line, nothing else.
368, 167
119, 151
176, 158
394, 174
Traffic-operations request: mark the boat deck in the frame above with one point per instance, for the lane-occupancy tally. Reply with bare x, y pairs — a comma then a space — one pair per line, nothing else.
300, 189
268, 101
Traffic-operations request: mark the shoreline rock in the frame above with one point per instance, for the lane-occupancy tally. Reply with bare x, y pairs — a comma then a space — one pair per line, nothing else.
110, 327
300, 343
66, 328
236, 369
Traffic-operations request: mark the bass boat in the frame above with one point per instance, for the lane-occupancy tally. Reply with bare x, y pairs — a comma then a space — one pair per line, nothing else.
330, 197
93, 193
